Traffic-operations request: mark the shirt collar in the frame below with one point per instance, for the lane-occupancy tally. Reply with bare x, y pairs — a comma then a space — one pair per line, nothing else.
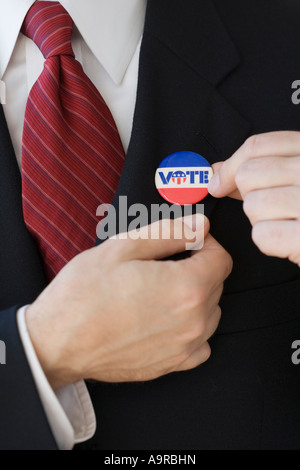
118, 23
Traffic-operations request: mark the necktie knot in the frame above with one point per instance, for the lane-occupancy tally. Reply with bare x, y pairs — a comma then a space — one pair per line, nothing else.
50, 26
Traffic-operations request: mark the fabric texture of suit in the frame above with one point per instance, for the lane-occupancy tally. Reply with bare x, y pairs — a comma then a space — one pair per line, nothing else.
211, 74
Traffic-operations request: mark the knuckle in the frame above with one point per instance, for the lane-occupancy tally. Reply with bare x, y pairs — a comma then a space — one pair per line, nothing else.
196, 331
198, 297
218, 313
227, 263
191, 332
206, 352
251, 145
256, 233
217, 317
216, 320
180, 358
223, 264
248, 205
242, 175
128, 247
294, 256
200, 328
252, 202
259, 236
193, 296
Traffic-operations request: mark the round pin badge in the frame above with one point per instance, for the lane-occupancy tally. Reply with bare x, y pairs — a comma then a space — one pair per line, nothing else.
183, 177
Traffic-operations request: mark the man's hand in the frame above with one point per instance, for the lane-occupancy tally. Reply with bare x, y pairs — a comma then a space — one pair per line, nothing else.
265, 174
120, 313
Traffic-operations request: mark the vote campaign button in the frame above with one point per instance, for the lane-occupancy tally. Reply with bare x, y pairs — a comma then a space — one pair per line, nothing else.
183, 177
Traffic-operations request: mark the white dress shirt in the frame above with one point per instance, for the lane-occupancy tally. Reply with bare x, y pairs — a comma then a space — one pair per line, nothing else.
106, 41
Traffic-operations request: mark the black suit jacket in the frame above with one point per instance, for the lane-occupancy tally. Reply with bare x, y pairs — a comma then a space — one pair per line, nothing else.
211, 73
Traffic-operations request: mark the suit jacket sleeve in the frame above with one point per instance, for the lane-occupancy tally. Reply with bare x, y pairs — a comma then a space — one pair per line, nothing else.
23, 423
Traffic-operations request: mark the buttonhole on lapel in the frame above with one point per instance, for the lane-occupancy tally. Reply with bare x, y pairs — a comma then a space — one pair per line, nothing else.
203, 136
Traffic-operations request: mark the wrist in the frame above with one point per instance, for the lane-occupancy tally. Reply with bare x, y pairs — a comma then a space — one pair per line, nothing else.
45, 340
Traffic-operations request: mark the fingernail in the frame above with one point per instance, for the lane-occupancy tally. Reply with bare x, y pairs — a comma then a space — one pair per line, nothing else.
214, 184
194, 222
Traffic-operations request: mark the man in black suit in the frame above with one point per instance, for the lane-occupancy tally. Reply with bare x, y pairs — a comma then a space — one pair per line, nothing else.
212, 73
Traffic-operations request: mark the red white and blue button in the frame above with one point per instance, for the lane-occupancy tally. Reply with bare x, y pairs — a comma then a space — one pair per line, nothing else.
183, 177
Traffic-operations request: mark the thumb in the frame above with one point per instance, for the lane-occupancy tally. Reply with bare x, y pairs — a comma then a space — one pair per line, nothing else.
222, 183
164, 238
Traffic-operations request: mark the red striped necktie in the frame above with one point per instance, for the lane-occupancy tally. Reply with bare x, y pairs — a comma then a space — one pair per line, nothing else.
72, 156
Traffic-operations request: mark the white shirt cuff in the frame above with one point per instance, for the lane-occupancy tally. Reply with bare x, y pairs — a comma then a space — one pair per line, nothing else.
69, 410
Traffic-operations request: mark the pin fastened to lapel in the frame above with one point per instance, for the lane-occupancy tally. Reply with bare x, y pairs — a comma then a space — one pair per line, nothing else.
183, 177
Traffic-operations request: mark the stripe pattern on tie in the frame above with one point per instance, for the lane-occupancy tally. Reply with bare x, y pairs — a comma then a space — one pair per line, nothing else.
72, 156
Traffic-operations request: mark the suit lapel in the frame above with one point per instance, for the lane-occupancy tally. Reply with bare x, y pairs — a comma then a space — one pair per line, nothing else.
21, 271
178, 106
193, 31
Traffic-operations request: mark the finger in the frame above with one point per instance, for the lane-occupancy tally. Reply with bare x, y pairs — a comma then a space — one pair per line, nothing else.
217, 167
198, 357
235, 194
161, 239
273, 143
267, 172
212, 265
278, 238
203, 320
214, 313
210, 329
273, 204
